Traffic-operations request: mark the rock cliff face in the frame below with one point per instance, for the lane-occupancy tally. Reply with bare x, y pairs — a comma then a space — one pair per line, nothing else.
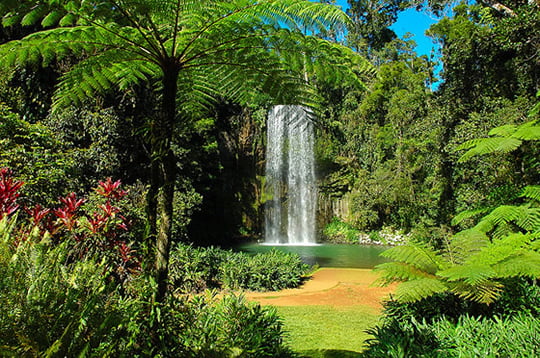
233, 183
232, 194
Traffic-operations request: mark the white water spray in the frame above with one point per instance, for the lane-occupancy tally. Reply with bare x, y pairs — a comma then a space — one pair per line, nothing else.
290, 177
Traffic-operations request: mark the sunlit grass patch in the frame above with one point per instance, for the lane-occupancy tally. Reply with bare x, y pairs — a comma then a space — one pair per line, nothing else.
326, 331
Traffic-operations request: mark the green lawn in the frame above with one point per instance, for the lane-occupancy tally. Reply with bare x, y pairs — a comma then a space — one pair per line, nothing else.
325, 331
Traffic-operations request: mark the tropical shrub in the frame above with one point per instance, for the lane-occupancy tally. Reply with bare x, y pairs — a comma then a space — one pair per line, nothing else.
195, 269
270, 271
37, 156
468, 337
340, 232
482, 337
230, 327
476, 262
51, 305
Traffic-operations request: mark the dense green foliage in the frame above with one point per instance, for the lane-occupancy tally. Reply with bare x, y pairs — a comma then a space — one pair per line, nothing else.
195, 269
71, 285
171, 97
442, 324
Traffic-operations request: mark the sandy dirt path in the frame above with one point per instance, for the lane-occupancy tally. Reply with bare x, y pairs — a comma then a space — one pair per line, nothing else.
336, 287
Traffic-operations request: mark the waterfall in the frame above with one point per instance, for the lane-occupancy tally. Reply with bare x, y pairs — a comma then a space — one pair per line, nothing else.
290, 177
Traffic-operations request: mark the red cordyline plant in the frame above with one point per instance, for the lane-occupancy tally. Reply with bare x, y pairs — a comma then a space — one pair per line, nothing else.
99, 232
9, 192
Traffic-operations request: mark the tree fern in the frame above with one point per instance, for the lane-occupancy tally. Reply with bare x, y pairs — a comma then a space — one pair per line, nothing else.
193, 52
503, 244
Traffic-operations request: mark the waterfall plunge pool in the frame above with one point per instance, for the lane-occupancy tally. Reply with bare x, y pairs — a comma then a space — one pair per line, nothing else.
328, 255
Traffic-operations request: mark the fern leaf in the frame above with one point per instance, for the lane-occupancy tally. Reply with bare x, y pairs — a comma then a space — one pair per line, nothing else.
467, 214
501, 215
531, 220
415, 290
417, 254
523, 264
398, 272
503, 131
33, 16
468, 273
528, 131
52, 18
531, 192
67, 20
499, 250
464, 244
486, 293
491, 145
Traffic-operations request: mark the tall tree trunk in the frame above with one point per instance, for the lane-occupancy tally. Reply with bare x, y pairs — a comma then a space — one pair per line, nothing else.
166, 175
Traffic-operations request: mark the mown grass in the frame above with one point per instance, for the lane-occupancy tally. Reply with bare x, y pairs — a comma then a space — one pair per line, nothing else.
326, 331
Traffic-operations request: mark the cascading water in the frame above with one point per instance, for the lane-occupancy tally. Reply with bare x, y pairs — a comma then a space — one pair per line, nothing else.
290, 177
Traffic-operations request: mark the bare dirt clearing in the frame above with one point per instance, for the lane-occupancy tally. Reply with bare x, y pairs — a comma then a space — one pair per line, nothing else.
336, 287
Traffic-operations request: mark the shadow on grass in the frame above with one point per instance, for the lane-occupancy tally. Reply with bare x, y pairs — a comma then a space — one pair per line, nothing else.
329, 353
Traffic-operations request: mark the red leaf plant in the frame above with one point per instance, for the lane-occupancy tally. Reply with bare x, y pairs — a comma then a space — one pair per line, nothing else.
101, 232
66, 213
110, 189
9, 192
37, 213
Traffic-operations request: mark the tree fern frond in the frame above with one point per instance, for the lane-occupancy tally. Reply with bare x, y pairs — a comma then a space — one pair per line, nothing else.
503, 131
531, 220
464, 244
98, 74
501, 215
52, 18
467, 214
487, 292
471, 274
34, 16
418, 254
525, 264
415, 290
398, 272
528, 131
500, 249
531, 192
491, 145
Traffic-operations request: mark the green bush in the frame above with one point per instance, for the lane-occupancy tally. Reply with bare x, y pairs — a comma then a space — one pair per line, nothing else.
51, 308
422, 328
482, 337
230, 327
270, 271
340, 232
195, 269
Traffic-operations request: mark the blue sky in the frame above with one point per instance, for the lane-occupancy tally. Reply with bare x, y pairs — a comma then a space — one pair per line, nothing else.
411, 21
